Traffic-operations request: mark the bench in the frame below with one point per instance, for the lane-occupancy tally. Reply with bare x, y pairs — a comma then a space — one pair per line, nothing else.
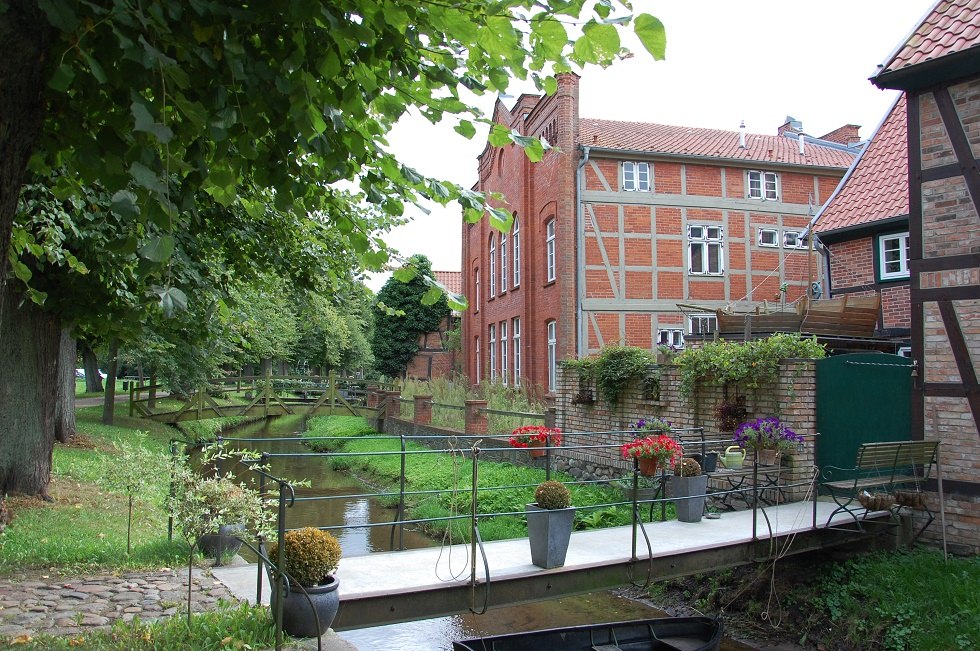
886, 476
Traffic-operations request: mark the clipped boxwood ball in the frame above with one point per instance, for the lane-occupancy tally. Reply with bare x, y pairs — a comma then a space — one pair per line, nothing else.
310, 555
552, 495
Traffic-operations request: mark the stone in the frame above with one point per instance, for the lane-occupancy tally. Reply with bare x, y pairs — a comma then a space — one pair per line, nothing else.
94, 620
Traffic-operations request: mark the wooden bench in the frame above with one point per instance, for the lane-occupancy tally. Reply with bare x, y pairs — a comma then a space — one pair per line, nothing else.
886, 476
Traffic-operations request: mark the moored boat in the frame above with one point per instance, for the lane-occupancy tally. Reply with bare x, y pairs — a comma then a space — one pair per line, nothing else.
661, 634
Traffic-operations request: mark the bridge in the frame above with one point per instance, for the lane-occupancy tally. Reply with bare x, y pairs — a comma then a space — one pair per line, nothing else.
391, 587
260, 396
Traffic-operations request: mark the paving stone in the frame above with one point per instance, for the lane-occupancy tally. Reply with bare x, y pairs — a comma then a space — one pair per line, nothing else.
94, 620
126, 596
72, 594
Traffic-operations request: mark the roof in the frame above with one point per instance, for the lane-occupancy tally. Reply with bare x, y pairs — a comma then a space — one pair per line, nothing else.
949, 33
877, 187
706, 143
451, 280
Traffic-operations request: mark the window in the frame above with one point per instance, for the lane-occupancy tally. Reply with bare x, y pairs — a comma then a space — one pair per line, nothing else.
516, 238
503, 262
768, 237
893, 256
792, 240
673, 337
476, 288
492, 342
636, 177
550, 248
493, 268
702, 324
763, 185
476, 345
552, 355
705, 250
516, 334
504, 353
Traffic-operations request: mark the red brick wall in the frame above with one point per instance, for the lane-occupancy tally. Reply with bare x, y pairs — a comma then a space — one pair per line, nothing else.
852, 271
433, 360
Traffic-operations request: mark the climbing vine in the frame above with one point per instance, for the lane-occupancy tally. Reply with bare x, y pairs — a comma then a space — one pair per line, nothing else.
615, 368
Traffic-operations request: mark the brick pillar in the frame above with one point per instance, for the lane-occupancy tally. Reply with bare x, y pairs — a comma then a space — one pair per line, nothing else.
476, 420
393, 403
550, 413
372, 397
423, 410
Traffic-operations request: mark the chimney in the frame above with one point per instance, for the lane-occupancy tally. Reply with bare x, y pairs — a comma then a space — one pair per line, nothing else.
802, 145
791, 125
741, 135
845, 135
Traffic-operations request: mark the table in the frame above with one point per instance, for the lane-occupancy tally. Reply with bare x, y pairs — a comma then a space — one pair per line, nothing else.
728, 485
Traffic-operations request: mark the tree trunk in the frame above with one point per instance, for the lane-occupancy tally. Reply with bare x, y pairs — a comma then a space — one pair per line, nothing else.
65, 413
93, 379
28, 395
109, 404
25, 37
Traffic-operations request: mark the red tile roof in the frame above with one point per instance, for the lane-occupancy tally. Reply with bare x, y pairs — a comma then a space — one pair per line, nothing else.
952, 26
878, 186
452, 280
707, 143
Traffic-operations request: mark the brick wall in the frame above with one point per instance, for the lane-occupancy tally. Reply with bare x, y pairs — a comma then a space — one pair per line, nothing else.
433, 360
852, 271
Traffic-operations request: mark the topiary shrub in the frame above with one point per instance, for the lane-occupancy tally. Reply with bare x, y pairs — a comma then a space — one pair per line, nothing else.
552, 495
310, 555
687, 468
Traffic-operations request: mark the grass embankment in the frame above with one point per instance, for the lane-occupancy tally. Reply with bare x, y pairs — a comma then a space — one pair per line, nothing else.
83, 531
895, 601
448, 392
511, 486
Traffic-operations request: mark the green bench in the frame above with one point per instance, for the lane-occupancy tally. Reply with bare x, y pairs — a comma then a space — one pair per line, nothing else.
886, 476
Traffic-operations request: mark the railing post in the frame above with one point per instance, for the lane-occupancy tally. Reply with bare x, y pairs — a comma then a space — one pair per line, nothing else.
132, 388
372, 397
280, 560
423, 410
476, 417
393, 405
264, 461
332, 388
267, 394
173, 462
473, 526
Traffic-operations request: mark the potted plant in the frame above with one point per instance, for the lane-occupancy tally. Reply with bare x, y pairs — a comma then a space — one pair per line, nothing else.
549, 524
535, 437
768, 437
646, 487
688, 487
654, 450
310, 556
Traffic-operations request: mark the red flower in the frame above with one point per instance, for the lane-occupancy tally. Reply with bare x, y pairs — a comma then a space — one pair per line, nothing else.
522, 437
661, 447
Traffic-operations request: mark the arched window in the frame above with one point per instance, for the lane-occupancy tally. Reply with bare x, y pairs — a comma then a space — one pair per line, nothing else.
493, 268
516, 239
503, 262
550, 249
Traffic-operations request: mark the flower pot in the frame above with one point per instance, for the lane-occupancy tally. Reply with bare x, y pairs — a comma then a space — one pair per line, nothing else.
689, 494
548, 533
221, 544
648, 466
535, 449
767, 457
710, 462
298, 617
641, 494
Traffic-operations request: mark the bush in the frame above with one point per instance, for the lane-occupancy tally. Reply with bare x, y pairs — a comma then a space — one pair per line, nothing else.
552, 495
310, 555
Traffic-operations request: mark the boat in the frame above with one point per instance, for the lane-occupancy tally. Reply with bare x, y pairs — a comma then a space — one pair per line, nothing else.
660, 634
844, 316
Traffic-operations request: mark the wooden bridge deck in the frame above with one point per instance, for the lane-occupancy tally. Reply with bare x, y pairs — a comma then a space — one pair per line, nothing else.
390, 587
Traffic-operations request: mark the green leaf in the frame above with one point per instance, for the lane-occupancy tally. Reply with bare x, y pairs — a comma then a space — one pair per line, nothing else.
499, 136
144, 122
146, 178
466, 129
124, 204
405, 274
159, 249
500, 219
533, 147
456, 302
652, 34
20, 270
62, 78
432, 295
60, 14
599, 43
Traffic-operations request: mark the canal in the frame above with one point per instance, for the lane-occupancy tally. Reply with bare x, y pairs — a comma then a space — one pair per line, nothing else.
426, 635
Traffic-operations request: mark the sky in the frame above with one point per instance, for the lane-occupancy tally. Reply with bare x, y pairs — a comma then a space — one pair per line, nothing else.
727, 61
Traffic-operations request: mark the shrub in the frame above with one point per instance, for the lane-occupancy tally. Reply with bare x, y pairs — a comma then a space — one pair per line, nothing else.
310, 555
687, 468
552, 495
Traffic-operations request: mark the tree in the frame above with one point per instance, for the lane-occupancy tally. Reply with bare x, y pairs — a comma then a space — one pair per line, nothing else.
402, 316
264, 107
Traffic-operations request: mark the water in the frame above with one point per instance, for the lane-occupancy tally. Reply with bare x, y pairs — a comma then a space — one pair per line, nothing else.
435, 634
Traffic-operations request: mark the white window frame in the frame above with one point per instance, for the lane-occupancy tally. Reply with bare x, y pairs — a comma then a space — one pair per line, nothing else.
673, 337
516, 341
493, 268
549, 229
712, 323
552, 329
792, 240
503, 262
706, 238
504, 353
768, 242
516, 240
636, 176
476, 288
903, 256
762, 185
477, 343
492, 346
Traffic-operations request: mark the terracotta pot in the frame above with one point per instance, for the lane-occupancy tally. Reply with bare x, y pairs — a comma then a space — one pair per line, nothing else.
534, 449
648, 466
767, 457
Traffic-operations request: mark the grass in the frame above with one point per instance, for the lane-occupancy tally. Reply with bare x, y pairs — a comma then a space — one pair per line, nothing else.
498, 397
453, 478
229, 627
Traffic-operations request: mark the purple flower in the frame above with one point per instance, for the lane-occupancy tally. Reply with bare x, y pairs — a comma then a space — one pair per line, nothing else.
767, 433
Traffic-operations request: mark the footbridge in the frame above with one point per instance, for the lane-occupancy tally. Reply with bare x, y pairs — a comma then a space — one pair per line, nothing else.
259, 396
390, 587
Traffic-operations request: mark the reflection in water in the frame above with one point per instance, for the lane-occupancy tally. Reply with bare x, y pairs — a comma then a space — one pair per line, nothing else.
356, 512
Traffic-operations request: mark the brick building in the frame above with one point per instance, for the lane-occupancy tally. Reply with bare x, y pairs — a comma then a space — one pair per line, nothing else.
864, 227
435, 357
938, 68
623, 221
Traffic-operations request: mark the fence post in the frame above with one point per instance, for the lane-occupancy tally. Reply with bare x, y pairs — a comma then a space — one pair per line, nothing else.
476, 418
372, 396
393, 406
423, 410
